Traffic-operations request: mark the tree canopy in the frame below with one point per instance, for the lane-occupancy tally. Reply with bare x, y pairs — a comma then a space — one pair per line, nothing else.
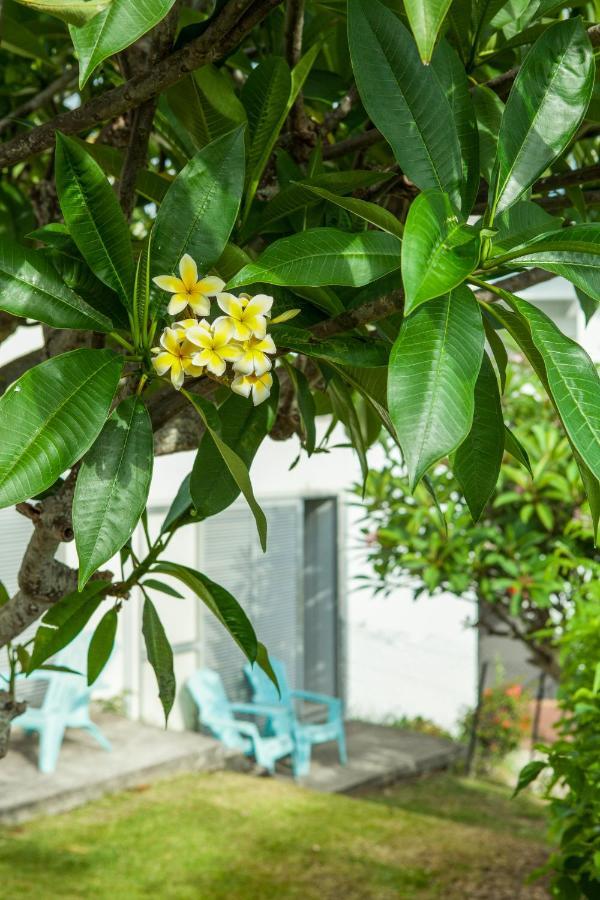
230, 216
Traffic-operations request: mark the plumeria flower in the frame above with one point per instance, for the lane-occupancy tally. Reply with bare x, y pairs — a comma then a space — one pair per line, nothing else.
257, 385
217, 348
247, 315
183, 326
189, 290
175, 353
253, 358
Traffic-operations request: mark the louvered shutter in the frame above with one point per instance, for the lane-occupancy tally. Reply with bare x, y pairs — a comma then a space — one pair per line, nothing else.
267, 585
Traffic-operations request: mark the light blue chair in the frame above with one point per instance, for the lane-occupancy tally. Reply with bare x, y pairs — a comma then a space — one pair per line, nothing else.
305, 733
217, 713
65, 705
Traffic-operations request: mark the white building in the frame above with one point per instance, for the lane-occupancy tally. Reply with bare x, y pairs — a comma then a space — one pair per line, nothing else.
386, 657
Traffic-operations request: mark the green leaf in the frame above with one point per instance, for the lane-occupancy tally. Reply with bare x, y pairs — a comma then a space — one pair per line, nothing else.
570, 252
587, 304
323, 256
477, 460
426, 18
51, 416
30, 287
200, 208
64, 621
519, 329
112, 486
268, 96
438, 251
206, 104
234, 463
141, 288
545, 107
573, 381
434, 365
155, 585
265, 98
591, 487
364, 209
498, 351
181, 506
489, 109
522, 223
529, 773
514, 446
306, 406
101, 645
74, 12
244, 427
118, 26
160, 656
403, 98
455, 84
343, 349
94, 217
372, 385
220, 602
343, 408
262, 660
4, 595
302, 194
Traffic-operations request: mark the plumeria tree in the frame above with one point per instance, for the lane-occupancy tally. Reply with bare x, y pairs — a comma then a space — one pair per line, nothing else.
226, 215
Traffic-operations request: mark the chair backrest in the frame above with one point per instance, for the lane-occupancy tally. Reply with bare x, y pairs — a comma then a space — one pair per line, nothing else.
65, 691
264, 691
208, 692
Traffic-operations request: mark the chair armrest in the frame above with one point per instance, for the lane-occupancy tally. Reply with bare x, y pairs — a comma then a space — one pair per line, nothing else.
333, 704
258, 709
247, 728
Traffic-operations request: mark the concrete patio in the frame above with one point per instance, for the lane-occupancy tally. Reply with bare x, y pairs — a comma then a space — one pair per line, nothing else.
85, 771
377, 755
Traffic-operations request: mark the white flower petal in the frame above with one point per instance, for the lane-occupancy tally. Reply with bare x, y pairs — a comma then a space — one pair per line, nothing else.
240, 385
177, 304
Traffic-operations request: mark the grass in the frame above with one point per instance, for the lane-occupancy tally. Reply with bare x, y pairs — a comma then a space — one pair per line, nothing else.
211, 837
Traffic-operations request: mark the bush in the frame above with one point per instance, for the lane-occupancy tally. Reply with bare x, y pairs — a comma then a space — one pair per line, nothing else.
422, 725
572, 764
503, 722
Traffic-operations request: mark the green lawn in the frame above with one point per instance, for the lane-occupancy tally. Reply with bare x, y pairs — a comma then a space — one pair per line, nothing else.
243, 838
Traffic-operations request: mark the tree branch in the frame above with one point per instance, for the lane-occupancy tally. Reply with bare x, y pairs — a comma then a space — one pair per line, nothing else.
43, 579
223, 34
391, 303
9, 710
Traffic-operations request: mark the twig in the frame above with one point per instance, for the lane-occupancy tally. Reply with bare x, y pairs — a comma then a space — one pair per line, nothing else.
143, 116
42, 97
350, 145
337, 115
300, 126
234, 22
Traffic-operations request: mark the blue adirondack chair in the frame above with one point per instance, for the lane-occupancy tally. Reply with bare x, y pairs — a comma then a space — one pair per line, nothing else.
217, 713
306, 733
65, 705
